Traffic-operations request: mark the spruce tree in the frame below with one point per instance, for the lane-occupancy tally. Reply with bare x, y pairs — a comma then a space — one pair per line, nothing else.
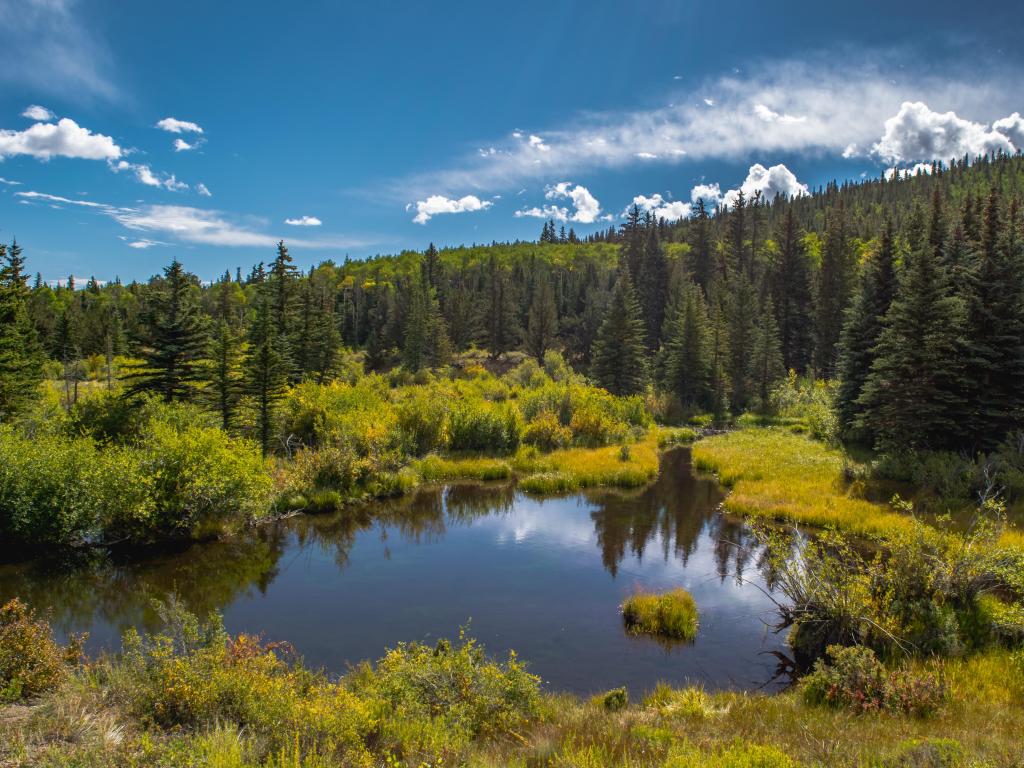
742, 317
766, 366
501, 323
224, 364
687, 359
791, 292
281, 281
265, 364
542, 323
172, 341
701, 257
835, 283
21, 356
653, 282
619, 355
863, 326
914, 394
718, 350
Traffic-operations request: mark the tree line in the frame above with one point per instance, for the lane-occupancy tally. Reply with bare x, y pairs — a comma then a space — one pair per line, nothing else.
909, 291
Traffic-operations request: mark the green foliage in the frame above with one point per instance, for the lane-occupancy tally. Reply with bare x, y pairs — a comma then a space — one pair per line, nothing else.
736, 756
853, 678
31, 662
619, 357
672, 615
614, 700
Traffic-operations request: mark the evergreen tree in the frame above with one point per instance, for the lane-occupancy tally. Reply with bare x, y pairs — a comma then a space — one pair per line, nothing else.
766, 366
702, 259
619, 356
281, 281
835, 281
687, 360
718, 350
653, 281
743, 315
21, 356
502, 325
224, 366
266, 367
542, 324
913, 396
172, 343
863, 326
791, 291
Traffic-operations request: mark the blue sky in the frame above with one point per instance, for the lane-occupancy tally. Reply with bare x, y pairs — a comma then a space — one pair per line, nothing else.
131, 133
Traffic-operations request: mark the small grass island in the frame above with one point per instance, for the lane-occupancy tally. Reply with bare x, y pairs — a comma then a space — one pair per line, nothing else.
670, 615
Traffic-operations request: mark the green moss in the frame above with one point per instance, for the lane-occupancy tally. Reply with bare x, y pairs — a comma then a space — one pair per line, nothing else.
671, 615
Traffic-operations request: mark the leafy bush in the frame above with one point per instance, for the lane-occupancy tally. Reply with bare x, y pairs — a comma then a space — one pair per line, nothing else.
854, 678
484, 426
614, 700
423, 419
812, 402
31, 662
671, 615
545, 432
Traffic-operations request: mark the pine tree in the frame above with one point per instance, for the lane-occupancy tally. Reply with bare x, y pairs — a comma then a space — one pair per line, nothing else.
653, 281
766, 366
542, 323
863, 326
791, 292
266, 367
173, 342
619, 356
702, 259
718, 350
993, 288
742, 316
687, 359
21, 356
502, 325
224, 366
281, 281
835, 282
913, 396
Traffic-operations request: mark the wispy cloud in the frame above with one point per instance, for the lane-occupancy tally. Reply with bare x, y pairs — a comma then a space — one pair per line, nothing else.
173, 125
9, 182
192, 225
49, 47
304, 221
36, 112
819, 106
146, 176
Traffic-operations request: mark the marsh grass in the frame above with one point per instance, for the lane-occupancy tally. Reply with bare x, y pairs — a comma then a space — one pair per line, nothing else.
671, 615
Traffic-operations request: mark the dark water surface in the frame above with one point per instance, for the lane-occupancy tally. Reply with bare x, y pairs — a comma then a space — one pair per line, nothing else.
542, 576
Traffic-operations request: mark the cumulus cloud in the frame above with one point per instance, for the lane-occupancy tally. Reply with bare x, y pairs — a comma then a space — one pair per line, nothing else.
661, 208
203, 190
815, 106
173, 125
146, 176
917, 132
304, 221
902, 173
438, 204
180, 145
65, 138
586, 208
711, 194
770, 182
36, 112
1012, 127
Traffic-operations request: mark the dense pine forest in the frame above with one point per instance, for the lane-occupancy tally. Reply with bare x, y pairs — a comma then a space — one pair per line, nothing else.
908, 291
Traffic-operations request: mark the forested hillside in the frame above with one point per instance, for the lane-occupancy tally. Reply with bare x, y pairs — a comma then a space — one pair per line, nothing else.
908, 290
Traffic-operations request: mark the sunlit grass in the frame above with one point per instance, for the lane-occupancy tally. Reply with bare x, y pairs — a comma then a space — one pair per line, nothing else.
434, 468
570, 469
671, 615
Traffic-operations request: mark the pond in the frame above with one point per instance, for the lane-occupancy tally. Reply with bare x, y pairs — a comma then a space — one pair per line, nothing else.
542, 576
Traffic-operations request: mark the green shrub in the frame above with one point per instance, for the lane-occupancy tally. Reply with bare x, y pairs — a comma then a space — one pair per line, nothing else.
545, 432
484, 426
614, 700
31, 662
854, 678
671, 615
423, 419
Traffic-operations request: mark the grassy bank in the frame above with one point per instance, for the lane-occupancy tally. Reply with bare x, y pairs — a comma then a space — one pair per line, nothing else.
197, 697
777, 474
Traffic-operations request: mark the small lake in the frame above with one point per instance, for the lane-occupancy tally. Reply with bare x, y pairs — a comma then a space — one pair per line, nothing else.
542, 576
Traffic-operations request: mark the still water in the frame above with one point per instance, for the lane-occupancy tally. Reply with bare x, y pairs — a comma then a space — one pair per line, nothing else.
542, 576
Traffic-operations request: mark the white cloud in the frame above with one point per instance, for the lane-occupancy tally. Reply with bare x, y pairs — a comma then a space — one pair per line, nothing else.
925, 168
850, 150
66, 138
30, 196
173, 125
771, 116
661, 208
304, 221
180, 145
140, 244
709, 102
1012, 127
146, 175
586, 208
917, 132
647, 155
538, 143
9, 182
36, 112
814, 107
438, 204
711, 194
50, 48
203, 190
770, 182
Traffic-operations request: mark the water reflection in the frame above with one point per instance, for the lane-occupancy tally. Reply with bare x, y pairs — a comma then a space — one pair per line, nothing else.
542, 576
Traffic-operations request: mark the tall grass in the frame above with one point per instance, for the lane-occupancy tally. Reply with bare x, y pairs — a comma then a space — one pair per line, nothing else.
671, 615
